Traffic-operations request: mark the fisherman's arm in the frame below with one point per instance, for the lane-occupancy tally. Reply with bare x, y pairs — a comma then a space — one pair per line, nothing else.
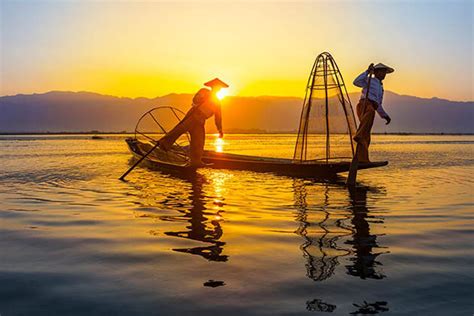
380, 109
383, 114
362, 79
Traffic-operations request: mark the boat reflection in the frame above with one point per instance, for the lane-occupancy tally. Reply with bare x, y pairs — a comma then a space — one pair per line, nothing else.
204, 223
328, 228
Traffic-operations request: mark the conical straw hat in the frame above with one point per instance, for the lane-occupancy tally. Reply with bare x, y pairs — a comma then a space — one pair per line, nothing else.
217, 83
382, 66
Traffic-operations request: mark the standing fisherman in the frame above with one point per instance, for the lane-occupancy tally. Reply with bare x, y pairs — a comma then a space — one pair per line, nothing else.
368, 104
205, 104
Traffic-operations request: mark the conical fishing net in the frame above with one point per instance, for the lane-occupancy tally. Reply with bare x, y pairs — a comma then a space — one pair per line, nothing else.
327, 122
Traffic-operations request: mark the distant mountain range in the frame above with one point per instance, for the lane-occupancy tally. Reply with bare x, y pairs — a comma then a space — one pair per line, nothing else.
58, 111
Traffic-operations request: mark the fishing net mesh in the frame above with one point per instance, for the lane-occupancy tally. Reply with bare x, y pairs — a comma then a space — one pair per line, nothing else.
327, 122
153, 125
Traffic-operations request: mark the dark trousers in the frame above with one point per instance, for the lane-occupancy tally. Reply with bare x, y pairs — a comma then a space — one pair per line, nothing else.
366, 114
194, 124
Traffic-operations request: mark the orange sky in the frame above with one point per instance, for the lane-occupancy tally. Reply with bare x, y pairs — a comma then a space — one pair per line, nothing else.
151, 48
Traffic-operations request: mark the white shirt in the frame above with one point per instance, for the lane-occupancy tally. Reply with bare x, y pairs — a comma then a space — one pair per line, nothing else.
375, 91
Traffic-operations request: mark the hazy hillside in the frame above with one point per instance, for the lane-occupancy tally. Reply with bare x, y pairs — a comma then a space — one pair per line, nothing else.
84, 111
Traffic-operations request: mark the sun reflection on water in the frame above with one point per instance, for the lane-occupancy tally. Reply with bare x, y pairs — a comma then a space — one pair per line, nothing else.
251, 234
219, 144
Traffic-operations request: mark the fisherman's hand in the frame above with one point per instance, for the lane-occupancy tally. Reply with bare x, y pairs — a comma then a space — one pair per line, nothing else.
371, 68
387, 119
221, 134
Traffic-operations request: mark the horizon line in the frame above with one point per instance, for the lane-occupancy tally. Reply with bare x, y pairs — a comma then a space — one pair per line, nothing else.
231, 132
188, 93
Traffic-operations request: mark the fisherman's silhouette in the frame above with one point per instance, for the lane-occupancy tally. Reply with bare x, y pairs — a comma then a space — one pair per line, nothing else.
201, 227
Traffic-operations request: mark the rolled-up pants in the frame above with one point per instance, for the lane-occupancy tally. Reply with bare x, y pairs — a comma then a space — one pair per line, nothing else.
366, 113
194, 123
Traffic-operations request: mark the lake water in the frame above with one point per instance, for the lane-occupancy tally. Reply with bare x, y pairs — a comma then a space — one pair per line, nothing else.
76, 241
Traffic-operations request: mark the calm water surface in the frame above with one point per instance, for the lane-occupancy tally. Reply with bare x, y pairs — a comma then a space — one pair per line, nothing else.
76, 241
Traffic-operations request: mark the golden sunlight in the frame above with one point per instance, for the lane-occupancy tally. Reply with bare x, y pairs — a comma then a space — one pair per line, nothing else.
219, 144
221, 94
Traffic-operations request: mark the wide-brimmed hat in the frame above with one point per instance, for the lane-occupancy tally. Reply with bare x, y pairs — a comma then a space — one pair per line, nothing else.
382, 66
216, 83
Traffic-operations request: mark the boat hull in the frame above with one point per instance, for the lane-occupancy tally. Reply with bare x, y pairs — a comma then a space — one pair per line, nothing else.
319, 169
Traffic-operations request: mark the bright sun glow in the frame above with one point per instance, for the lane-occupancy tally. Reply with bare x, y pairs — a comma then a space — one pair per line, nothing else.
219, 144
221, 94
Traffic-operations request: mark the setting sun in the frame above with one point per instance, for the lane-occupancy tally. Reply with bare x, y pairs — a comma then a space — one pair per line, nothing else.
221, 94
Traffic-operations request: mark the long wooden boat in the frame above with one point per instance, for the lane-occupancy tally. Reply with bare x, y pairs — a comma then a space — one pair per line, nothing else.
216, 160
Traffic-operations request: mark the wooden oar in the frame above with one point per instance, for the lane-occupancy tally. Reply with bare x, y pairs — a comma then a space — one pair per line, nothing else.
154, 147
136, 163
352, 176
183, 154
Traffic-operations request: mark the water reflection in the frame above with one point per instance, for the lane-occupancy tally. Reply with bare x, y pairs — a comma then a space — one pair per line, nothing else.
316, 226
318, 305
204, 224
325, 224
334, 223
219, 144
327, 228
364, 264
370, 308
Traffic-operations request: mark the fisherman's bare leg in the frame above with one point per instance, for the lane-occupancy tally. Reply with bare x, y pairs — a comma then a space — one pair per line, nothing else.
198, 137
366, 114
184, 126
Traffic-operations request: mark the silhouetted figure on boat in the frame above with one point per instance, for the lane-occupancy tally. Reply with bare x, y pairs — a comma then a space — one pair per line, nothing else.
368, 104
205, 104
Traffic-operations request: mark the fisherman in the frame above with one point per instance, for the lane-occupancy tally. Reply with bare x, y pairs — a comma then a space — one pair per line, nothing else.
366, 108
205, 104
